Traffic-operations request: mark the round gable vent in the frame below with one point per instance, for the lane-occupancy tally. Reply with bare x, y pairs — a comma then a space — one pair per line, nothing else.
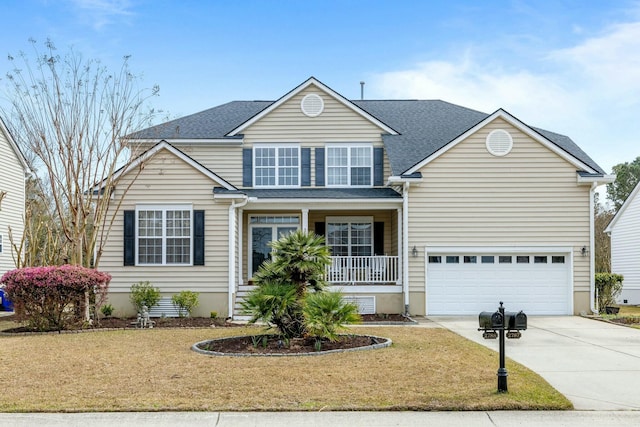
312, 105
499, 142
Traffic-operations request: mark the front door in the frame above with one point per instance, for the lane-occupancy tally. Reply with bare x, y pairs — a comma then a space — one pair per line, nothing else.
264, 230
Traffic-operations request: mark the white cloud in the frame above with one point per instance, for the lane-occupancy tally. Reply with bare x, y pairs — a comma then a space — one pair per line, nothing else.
590, 91
100, 13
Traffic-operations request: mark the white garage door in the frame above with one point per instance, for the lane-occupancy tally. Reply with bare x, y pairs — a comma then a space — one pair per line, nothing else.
468, 283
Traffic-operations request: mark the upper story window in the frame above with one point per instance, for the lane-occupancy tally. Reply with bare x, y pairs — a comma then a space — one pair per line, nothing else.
276, 165
349, 165
164, 235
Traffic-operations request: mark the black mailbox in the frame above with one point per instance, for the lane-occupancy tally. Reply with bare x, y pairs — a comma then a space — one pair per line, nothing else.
489, 320
515, 321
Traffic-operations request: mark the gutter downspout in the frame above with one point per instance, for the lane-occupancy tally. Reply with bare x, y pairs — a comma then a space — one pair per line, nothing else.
232, 250
592, 255
405, 246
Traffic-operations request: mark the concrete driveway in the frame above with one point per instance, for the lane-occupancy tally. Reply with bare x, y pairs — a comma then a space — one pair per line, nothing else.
594, 364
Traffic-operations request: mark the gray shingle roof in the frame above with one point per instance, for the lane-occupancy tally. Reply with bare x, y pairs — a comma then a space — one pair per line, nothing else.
424, 126
317, 193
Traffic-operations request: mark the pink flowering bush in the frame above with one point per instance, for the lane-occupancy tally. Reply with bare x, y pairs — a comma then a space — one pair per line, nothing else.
54, 298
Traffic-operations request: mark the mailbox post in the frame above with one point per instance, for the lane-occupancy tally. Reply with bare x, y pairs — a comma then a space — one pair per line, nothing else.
494, 325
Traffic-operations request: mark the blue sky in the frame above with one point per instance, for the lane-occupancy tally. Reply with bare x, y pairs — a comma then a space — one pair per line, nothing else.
570, 66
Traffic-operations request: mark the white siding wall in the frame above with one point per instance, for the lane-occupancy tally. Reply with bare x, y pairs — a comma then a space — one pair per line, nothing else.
166, 179
625, 247
471, 198
12, 206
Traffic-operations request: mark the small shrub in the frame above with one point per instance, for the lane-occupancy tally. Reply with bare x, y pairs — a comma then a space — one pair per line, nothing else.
185, 302
608, 286
214, 314
56, 297
106, 310
142, 293
326, 313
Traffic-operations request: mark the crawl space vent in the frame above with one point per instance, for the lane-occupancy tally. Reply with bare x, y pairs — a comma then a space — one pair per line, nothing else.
499, 142
366, 304
312, 105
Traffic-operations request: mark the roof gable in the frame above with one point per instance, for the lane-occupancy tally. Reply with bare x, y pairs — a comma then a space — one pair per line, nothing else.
512, 120
623, 208
164, 145
14, 146
328, 91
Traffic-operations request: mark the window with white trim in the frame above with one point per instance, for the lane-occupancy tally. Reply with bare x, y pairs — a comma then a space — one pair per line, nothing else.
350, 236
276, 165
349, 165
164, 235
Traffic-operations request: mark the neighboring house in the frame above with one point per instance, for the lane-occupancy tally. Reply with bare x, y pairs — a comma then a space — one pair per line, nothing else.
624, 230
428, 207
13, 168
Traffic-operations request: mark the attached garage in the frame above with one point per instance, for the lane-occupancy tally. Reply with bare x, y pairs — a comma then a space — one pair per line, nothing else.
466, 281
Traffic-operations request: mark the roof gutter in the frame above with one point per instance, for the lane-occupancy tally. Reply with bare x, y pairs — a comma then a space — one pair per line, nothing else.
592, 257
232, 249
596, 179
404, 179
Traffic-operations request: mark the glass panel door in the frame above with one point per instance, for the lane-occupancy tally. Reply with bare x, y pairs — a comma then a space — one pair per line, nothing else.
260, 250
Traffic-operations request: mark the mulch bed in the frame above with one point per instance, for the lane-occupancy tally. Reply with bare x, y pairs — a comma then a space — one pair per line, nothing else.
199, 322
271, 344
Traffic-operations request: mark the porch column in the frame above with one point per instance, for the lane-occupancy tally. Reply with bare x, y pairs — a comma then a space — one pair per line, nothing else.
305, 219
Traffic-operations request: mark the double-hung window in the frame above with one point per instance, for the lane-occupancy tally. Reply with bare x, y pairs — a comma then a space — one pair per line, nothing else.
164, 235
350, 236
349, 165
276, 165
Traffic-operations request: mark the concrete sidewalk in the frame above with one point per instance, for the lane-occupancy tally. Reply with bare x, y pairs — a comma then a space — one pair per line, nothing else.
334, 419
594, 364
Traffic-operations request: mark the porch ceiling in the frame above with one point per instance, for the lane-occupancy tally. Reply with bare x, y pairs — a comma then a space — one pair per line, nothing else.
385, 193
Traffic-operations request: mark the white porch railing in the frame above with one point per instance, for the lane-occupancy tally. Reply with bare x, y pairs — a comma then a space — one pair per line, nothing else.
379, 269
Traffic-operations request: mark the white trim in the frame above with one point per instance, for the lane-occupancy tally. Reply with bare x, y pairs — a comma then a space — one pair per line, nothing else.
623, 208
274, 227
349, 166
165, 207
502, 114
400, 179
176, 152
14, 146
309, 82
405, 245
600, 179
277, 166
592, 252
357, 289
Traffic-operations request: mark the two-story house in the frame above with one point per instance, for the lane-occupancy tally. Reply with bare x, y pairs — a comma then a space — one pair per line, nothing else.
428, 207
13, 168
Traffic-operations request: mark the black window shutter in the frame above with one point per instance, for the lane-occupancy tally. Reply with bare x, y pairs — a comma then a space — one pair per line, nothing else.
320, 228
320, 167
247, 167
129, 238
378, 167
305, 180
378, 238
198, 237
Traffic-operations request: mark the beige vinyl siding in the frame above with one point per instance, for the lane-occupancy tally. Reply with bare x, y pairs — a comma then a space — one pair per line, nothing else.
167, 180
337, 123
527, 198
12, 206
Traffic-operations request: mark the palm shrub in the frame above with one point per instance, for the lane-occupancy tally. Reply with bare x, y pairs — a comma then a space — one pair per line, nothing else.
185, 302
609, 286
283, 285
326, 314
143, 293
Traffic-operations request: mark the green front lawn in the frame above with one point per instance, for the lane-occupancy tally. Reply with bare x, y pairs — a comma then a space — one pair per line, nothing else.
155, 370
